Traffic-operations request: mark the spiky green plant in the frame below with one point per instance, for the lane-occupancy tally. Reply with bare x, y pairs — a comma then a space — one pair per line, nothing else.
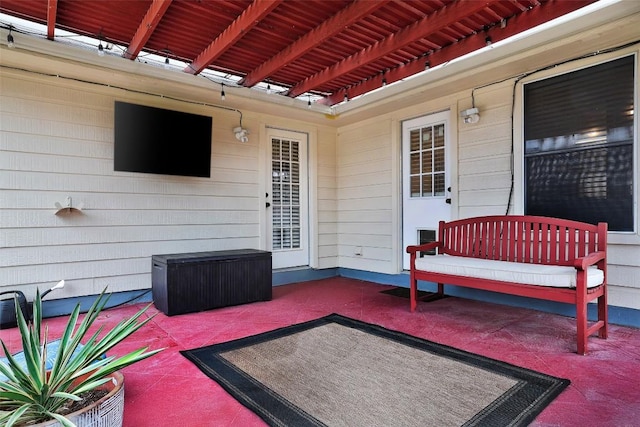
31, 393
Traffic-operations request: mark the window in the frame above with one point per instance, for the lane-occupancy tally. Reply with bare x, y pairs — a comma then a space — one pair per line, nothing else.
285, 170
427, 175
579, 153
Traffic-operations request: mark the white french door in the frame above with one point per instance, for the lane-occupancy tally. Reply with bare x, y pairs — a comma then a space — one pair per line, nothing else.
426, 187
287, 203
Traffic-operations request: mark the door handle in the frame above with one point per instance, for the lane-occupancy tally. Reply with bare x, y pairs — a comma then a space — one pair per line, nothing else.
448, 200
267, 204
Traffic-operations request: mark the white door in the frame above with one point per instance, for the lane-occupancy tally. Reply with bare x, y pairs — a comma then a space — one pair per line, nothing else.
426, 191
287, 202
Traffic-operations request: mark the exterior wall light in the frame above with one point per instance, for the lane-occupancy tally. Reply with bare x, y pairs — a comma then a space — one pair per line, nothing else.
471, 115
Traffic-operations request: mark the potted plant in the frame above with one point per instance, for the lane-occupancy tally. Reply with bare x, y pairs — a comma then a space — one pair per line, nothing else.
32, 392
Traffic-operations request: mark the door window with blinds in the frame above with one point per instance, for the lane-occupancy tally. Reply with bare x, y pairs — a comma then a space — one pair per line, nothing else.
579, 145
427, 163
285, 170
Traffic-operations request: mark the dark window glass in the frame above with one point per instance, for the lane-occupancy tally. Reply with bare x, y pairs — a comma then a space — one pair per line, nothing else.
578, 131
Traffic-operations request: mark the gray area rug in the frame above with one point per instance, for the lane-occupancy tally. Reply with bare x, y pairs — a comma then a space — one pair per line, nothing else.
337, 371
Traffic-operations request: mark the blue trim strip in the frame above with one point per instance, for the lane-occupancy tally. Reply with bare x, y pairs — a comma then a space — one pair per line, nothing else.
617, 315
285, 277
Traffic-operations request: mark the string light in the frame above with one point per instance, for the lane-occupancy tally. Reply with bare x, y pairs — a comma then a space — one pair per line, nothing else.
309, 102
268, 88
166, 59
100, 49
222, 94
10, 42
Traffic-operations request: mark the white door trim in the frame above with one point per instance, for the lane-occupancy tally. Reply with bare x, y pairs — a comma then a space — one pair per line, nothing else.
292, 258
450, 119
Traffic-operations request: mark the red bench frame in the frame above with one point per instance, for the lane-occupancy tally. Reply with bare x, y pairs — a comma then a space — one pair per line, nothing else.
525, 239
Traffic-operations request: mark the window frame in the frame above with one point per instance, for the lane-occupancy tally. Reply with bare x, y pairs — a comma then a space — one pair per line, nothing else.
621, 237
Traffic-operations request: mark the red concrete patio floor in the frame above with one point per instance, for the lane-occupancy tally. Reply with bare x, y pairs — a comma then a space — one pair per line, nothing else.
168, 390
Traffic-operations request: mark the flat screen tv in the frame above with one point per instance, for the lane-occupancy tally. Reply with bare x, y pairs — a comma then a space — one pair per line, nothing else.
159, 141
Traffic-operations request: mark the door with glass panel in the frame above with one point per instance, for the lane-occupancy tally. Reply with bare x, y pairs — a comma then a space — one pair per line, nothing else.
287, 202
426, 191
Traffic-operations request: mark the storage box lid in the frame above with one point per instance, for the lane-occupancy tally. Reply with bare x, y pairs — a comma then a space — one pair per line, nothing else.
210, 256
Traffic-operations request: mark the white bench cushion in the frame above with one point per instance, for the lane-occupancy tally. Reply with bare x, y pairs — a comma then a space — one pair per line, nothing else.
505, 271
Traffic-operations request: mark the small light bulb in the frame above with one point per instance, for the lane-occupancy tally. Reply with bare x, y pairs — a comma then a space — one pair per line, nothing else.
269, 89
166, 62
100, 49
10, 42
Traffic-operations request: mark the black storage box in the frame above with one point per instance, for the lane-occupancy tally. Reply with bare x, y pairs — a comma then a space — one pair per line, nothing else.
191, 282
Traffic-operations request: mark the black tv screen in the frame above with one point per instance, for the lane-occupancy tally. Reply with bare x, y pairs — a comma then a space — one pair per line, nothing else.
159, 141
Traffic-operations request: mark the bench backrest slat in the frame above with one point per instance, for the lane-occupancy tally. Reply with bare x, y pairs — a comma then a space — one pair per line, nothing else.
520, 238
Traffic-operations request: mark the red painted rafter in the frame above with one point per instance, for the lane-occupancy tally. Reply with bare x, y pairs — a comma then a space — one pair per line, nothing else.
52, 11
522, 22
147, 27
419, 29
248, 19
313, 38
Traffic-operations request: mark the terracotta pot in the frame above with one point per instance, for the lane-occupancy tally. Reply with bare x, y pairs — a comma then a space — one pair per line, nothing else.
106, 412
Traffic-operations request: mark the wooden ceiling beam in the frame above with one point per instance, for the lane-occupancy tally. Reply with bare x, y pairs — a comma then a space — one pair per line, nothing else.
430, 24
52, 11
148, 25
329, 28
515, 25
248, 19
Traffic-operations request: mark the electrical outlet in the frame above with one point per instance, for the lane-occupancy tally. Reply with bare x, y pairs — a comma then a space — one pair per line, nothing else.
358, 251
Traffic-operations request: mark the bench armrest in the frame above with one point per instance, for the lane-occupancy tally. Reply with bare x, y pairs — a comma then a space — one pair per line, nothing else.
423, 248
591, 259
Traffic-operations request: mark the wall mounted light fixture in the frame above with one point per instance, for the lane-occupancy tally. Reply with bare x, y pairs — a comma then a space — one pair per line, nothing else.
471, 115
241, 134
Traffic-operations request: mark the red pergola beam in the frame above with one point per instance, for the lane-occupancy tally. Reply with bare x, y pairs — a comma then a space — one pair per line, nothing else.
544, 12
430, 24
52, 10
234, 32
332, 26
147, 27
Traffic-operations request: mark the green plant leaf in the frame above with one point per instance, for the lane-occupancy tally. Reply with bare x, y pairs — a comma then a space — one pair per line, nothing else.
32, 394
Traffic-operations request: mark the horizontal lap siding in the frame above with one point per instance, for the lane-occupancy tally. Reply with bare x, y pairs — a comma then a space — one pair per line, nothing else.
624, 275
57, 141
327, 204
484, 154
364, 170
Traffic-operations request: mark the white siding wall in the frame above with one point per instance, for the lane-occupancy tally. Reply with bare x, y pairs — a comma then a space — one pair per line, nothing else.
484, 154
367, 184
364, 159
327, 201
56, 141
